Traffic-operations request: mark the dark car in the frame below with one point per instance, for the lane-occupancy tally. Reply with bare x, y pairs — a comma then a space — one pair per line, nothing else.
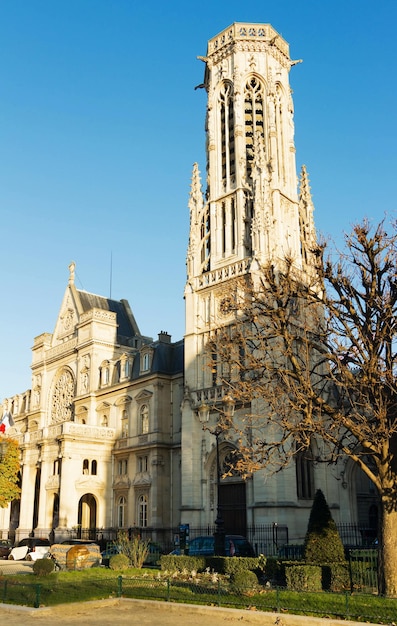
5, 548
235, 545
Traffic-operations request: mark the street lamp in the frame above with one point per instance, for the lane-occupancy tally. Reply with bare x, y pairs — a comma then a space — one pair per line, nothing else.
204, 414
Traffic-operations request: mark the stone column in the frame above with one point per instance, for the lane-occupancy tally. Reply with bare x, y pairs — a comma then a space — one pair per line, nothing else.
29, 471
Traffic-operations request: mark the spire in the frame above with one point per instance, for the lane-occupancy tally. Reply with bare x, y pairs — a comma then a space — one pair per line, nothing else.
72, 268
196, 205
196, 195
306, 219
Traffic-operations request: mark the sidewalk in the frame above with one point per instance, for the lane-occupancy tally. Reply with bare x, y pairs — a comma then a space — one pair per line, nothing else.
123, 612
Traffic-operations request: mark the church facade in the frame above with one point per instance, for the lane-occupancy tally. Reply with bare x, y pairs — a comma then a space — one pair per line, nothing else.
111, 433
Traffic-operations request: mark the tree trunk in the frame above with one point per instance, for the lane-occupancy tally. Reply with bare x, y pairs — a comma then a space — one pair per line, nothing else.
387, 570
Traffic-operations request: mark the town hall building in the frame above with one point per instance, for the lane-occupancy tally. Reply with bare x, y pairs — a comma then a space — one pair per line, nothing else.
111, 432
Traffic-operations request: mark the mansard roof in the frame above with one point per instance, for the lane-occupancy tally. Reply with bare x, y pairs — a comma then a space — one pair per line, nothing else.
168, 357
127, 326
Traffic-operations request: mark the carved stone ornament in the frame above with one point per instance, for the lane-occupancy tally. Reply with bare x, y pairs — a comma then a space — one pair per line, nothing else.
226, 306
62, 398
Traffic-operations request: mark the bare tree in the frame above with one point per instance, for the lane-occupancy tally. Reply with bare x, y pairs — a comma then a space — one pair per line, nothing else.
316, 353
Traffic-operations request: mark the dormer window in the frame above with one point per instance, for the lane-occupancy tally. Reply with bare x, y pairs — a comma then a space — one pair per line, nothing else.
125, 367
145, 363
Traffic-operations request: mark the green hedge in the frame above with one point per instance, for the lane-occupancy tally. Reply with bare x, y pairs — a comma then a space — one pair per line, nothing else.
174, 563
304, 577
221, 564
231, 565
335, 577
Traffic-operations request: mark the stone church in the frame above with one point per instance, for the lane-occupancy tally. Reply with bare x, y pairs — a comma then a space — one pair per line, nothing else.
111, 432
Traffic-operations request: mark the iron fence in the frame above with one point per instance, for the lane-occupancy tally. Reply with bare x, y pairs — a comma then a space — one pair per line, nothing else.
268, 539
214, 592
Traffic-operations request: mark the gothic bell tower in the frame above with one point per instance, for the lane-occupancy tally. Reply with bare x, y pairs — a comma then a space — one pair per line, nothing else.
250, 212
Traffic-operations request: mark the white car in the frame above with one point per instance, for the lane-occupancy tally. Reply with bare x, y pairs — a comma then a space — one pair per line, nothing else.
31, 549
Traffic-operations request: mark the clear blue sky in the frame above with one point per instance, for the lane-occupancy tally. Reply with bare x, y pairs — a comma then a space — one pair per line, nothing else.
100, 126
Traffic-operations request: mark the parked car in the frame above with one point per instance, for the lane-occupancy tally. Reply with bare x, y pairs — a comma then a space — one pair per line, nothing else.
5, 548
235, 545
107, 554
31, 549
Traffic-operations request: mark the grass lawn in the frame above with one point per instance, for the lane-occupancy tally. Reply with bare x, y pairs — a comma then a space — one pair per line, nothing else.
99, 583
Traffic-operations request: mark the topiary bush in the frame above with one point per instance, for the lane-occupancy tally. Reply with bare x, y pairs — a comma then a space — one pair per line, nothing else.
322, 542
244, 581
118, 562
304, 577
43, 567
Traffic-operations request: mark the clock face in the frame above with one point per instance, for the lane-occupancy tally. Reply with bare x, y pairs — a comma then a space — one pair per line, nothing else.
226, 305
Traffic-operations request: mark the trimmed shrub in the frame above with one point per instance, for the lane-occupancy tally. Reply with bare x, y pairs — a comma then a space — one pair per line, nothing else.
273, 570
43, 567
231, 564
220, 564
119, 561
322, 542
304, 577
335, 577
244, 581
179, 563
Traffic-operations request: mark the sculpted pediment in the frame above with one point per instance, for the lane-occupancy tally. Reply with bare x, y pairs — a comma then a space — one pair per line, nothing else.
123, 400
143, 395
141, 479
89, 482
68, 318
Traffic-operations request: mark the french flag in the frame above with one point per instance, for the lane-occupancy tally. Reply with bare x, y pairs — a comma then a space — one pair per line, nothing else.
6, 422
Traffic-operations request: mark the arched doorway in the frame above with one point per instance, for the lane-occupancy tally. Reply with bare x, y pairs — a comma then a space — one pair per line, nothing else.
87, 516
232, 492
55, 512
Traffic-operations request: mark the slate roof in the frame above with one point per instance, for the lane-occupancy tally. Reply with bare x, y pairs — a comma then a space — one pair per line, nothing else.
127, 327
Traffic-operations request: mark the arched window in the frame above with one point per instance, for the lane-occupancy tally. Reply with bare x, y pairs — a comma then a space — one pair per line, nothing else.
280, 136
227, 134
124, 423
121, 509
304, 475
105, 373
144, 419
233, 225
205, 232
254, 119
86, 466
143, 511
223, 228
146, 362
93, 467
